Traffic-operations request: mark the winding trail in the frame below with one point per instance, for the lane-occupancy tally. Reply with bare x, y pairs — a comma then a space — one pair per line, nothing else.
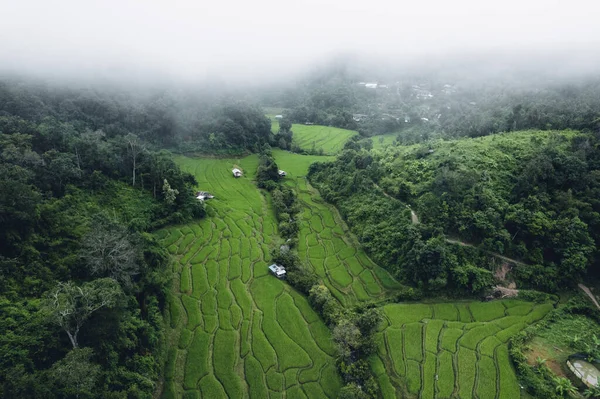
495, 254
413, 216
415, 220
589, 293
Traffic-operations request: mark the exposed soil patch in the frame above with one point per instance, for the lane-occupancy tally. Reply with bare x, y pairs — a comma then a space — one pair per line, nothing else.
502, 271
555, 357
414, 217
589, 293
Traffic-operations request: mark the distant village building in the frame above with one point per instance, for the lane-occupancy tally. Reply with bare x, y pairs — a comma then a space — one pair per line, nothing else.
282, 173
448, 89
278, 116
236, 172
358, 117
204, 195
277, 270
421, 93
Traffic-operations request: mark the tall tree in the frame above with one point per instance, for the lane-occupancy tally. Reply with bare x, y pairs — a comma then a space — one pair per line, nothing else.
108, 252
135, 147
71, 305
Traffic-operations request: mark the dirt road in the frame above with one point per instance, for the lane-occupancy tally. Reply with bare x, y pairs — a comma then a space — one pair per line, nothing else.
589, 293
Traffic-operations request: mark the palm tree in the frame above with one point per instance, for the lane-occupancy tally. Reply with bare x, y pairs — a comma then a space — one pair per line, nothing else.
539, 362
564, 387
540, 365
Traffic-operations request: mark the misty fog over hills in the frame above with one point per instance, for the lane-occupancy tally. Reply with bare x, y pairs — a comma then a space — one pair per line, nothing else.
307, 199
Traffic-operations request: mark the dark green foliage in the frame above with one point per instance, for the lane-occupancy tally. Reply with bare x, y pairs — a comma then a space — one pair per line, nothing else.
267, 173
574, 326
284, 198
513, 195
353, 334
417, 253
352, 391
71, 212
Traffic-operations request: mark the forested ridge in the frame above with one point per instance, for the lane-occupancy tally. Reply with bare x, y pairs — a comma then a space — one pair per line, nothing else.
528, 195
200, 119
82, 282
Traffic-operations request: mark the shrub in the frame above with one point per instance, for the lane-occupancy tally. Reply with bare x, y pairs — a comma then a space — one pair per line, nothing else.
408, 294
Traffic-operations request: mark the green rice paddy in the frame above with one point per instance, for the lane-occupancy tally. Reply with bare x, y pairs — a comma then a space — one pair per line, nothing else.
326, 244
383, 140
238, 331
309, 137
451, 350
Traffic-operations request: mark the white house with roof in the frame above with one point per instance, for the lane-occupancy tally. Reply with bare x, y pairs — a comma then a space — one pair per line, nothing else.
277, 270
236, 172
282, 173
204, 195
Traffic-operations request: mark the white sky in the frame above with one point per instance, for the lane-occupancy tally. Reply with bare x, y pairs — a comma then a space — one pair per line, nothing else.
258, 38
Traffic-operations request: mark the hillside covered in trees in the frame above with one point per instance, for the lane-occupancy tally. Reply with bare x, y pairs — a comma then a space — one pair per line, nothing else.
82, 283
529, 195
195, 119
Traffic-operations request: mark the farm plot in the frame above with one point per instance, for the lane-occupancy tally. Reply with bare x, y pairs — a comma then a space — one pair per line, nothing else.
325, 243
426, 351
239, 332
314, 137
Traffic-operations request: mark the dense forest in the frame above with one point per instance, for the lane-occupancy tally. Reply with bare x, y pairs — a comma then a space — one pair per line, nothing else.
206, 120
82, 282
531, 196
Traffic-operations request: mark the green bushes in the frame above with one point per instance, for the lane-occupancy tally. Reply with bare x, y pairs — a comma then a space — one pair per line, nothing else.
572, 327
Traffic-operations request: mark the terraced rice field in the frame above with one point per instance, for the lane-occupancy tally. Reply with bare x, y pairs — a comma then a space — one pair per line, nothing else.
383, 140
238, 331
330, 139
326, 244
451, 350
